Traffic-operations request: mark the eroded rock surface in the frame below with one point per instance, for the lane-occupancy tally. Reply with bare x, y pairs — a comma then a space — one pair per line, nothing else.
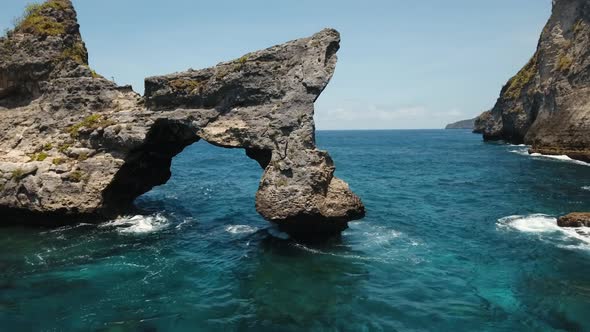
73, 143
577, 219
547, 104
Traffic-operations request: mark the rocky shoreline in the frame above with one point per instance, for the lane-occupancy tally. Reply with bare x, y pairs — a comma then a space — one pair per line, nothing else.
74, 144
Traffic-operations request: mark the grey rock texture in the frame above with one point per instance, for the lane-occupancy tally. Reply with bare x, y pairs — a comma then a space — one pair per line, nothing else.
547, 104
73, 143
464, 124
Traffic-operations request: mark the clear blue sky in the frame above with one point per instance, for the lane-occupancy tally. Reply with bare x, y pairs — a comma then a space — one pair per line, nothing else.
402, 64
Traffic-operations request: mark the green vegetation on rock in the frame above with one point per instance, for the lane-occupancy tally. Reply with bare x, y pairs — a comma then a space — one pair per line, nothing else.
17, 174
64, 147
41, 156
35, 20
241, 62
91, 122
95, 74
522, 79
75, 176
186, 85
564, 63
243, 59
76, 53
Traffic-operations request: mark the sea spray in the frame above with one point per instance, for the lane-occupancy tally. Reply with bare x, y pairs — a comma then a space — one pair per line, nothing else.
547, 229
138, 224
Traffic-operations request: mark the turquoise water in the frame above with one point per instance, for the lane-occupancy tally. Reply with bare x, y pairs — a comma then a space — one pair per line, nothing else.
460, 236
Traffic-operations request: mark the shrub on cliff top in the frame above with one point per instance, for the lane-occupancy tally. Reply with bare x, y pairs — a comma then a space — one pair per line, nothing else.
186, 85
522, 79
76, 53
36, 21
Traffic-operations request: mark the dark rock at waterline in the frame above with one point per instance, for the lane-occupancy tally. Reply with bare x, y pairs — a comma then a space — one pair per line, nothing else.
73, 143
577, 219
464, 124
547, 104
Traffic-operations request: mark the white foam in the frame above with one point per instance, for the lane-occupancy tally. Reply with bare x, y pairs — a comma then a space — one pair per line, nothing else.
380, 236
138, 224
522, 152
560, 158
546, 227
241, 229
535, 223
586, 188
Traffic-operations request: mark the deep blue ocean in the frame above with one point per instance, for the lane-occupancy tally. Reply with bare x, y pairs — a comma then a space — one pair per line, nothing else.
460, 235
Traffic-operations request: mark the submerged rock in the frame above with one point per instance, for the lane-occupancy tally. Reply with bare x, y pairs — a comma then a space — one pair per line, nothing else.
547, 104
577, 219
96, 146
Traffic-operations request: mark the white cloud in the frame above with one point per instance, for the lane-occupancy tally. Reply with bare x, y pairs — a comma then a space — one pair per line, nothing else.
358, 116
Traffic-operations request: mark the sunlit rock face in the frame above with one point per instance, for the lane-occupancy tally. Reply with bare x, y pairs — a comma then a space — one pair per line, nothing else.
547, 104
73, 143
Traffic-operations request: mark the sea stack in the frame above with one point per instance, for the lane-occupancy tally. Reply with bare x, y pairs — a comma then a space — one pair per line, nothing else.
547, 104
73, 143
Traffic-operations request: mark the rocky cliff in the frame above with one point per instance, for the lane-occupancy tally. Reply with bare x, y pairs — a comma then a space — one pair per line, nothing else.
75, 144
547, 104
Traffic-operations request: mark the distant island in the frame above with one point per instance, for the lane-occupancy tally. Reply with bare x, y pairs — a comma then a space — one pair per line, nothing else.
464, 124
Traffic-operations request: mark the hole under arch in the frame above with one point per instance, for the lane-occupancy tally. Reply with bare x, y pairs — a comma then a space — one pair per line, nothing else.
174, 166
215, 186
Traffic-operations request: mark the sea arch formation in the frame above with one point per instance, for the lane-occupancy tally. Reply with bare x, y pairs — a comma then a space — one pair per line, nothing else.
74, 143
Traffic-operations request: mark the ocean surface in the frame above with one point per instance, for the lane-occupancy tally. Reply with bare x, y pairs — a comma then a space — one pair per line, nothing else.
460, 235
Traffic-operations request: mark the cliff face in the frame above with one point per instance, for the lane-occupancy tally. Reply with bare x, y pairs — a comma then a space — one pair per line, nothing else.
547, 104
73, 143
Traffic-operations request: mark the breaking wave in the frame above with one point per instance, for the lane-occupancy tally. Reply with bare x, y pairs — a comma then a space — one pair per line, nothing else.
560, 158
241, 229
523, 150
138, 224
547, 229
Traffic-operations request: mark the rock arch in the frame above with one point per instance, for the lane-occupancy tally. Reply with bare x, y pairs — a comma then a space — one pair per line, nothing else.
92, 147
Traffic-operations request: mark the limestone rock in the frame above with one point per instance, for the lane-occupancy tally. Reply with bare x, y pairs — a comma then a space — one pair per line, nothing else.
576, 219
96, 146
547, 104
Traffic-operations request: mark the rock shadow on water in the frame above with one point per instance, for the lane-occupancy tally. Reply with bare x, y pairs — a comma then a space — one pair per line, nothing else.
292, 286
